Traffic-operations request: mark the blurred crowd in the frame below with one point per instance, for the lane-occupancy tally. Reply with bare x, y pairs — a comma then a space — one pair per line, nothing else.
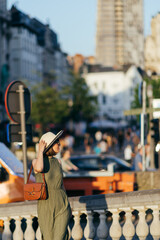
124, 144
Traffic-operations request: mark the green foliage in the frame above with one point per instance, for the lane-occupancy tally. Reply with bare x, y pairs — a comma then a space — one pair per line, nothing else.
84, 106
136, 103
48, 107
156, 88
155, 83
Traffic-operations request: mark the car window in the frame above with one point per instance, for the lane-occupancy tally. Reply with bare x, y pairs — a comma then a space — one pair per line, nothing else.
117, 167
4, 176
87, 164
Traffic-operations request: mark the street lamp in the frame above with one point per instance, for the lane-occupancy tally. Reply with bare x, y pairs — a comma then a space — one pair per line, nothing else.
150, 97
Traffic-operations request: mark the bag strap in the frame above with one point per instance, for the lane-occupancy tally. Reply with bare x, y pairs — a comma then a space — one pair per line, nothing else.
30, 174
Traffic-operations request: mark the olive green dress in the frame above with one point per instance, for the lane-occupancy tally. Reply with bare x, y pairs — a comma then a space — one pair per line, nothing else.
53, 213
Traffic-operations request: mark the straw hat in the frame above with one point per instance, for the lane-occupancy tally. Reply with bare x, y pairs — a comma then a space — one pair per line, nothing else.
50, 139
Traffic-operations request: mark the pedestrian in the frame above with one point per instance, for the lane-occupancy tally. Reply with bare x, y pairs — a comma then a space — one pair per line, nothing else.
53, 213
88, 141
97, 148
137, 161
120, 139
128, 153
104, 146
67, 165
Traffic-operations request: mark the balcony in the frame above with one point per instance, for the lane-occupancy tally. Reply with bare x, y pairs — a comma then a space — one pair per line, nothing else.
131, 215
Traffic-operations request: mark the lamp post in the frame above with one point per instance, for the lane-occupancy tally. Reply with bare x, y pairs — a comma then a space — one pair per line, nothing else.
150, 97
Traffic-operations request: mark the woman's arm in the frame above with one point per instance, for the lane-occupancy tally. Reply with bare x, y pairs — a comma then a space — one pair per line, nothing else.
38, 162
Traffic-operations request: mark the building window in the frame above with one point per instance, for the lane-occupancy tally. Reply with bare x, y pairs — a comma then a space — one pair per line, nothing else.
115, 100
131, 91
19, 30
95, 85
104, 99
16, 66
134, 80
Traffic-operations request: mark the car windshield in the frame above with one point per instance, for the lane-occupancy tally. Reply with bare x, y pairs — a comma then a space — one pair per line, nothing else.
99, 163
87, 164
10, 159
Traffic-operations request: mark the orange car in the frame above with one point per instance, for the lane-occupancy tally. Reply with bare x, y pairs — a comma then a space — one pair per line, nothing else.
11, 177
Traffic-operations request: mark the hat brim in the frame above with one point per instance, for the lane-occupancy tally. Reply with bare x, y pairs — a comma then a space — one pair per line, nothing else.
51, 144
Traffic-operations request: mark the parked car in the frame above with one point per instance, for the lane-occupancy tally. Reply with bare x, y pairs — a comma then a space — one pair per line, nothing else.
11, 176
99, 174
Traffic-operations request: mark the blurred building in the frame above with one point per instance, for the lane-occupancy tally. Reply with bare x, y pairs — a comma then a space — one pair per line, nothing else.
5, 37
78, 60
35, 52
114, 89
152, 47
25, 53
119, 37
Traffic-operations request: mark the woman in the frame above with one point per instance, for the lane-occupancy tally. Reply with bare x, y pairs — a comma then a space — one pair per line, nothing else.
53, 213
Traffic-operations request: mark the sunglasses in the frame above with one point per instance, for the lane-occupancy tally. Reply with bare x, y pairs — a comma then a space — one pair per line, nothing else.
57, 141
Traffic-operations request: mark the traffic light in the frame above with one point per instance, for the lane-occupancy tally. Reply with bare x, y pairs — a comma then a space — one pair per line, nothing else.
1, 98
155, 130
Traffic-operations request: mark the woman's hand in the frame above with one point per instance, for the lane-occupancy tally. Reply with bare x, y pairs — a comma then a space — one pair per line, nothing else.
42, 145
38, 162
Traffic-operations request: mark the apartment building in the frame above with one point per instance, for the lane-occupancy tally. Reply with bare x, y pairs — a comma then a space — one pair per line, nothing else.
119, 35
152, 47
5, 36
35, 53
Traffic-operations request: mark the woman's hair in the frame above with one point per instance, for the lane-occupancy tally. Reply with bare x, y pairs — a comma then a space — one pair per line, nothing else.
50, 152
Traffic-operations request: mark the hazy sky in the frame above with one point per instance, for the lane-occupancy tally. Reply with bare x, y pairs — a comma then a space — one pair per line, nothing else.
75, 20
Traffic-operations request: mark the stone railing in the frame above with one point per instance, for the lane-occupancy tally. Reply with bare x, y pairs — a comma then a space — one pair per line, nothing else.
131, 215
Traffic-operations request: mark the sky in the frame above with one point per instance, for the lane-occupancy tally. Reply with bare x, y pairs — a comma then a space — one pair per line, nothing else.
74, 21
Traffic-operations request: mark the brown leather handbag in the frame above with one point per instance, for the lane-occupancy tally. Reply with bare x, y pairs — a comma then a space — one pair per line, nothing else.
35, 191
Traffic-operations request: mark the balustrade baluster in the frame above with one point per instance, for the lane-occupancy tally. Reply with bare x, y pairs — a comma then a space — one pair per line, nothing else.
38, 234
102, 230
155, 225
115, 229
29, 232
128, 228
142, 229
18, 233
6, 235
77, 232
90, 231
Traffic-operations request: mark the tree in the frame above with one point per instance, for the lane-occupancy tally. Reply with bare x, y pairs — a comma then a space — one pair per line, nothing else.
48, 106
73, 101
83, 104
156, 91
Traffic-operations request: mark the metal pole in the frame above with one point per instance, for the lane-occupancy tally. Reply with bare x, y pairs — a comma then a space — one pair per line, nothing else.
152, 147
142, 125
158, 142
23, 130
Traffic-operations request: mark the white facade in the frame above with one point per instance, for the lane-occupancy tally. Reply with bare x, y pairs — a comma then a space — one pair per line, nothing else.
115, 91
25, 57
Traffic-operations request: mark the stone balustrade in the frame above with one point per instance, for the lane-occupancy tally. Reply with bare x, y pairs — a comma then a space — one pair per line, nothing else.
129, 215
